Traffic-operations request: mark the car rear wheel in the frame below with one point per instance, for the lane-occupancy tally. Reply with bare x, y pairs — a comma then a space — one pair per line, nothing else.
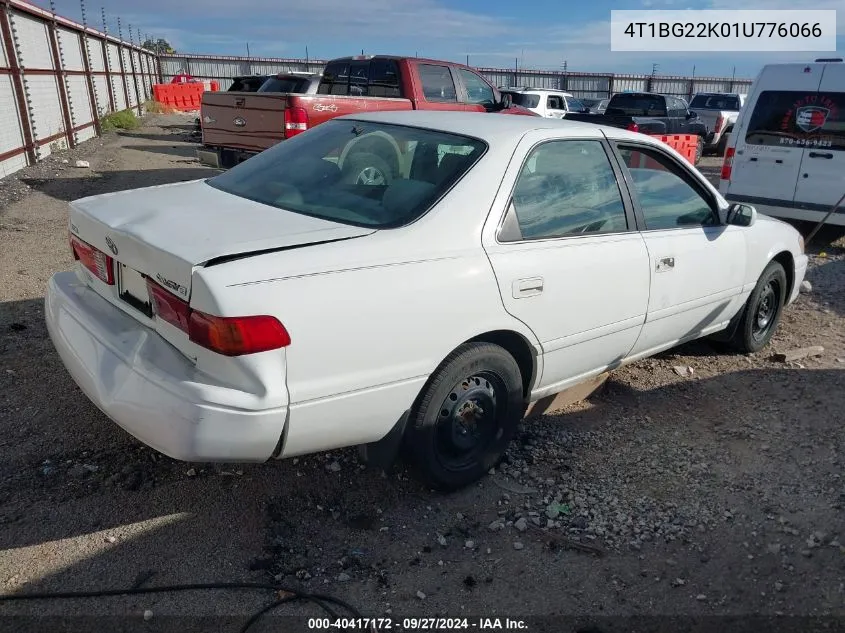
762, 311
466, 415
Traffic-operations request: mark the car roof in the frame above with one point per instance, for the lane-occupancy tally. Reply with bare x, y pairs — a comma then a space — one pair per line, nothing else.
490, 127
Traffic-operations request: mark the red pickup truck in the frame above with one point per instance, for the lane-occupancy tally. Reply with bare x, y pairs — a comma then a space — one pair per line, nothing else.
237, 125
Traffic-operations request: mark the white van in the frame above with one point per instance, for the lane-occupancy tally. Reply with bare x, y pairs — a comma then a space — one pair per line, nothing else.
786, 155
552, 104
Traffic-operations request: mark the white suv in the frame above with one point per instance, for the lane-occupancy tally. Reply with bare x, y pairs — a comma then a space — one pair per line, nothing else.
552, 104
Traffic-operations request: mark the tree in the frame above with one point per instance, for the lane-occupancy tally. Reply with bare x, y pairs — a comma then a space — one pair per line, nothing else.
159, 46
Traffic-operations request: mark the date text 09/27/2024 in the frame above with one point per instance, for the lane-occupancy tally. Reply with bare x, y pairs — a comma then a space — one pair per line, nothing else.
417, 624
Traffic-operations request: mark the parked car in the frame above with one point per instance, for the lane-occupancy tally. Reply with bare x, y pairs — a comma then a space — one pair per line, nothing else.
786, 154
284, 307
718, 111
236, 127
649, 113
553, 104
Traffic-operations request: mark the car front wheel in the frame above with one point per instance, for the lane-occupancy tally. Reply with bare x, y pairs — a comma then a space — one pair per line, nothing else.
466, 415
762, 311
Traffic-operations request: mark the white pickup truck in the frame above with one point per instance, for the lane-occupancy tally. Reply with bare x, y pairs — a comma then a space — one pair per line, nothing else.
718, 110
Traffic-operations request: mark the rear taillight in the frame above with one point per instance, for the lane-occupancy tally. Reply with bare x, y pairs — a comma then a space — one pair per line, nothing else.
296, 121
233, 336
719, 122
230, 336
93, 259
633, 127
728, 164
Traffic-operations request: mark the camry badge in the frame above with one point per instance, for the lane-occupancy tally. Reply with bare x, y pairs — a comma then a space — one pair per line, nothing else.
112, 246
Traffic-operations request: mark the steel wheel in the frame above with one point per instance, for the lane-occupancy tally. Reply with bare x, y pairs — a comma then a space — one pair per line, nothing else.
465, 416
468, 420
766, 310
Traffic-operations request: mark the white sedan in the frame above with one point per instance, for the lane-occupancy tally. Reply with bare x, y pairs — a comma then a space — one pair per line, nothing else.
298, 303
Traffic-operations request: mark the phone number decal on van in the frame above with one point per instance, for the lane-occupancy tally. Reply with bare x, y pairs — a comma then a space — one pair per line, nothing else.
808, 142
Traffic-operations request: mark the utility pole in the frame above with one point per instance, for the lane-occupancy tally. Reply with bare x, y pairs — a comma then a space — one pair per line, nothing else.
650, 87
564, 81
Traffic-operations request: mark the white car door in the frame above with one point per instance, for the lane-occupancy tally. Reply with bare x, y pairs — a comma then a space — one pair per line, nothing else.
821, 125
697, 264
566, 254
555, 107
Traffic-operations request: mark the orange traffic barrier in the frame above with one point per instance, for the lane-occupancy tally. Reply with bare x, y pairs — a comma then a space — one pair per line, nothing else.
685, 144
185, 96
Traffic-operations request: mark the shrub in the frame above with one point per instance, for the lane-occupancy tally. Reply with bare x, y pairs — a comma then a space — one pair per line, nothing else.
154, 107
123, 120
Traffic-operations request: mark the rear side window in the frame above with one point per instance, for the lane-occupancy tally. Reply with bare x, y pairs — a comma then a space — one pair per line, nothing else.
526, 99
437, 83
793, 118
384, 78
335, 79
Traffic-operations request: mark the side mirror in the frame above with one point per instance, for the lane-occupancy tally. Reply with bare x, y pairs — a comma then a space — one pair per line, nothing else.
506, 100
741, 215
692, 115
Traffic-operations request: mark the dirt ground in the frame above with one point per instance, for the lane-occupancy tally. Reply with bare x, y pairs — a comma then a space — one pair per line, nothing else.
718, 492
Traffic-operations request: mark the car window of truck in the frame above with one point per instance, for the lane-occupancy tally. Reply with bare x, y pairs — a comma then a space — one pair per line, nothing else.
437, 83
384, 78
478, 90
359, 78
568, 188
335, 79
798, 118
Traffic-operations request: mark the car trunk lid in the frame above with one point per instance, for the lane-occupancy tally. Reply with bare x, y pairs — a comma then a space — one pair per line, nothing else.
163, 233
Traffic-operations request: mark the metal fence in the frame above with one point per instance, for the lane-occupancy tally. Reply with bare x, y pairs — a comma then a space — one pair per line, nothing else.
58, 79
585, 85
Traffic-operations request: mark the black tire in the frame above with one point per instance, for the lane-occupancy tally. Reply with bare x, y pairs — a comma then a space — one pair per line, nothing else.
465, 416
762, 311
364, 168
699, 150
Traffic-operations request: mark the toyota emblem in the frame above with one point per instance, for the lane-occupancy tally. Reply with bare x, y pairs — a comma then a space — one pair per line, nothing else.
112, 246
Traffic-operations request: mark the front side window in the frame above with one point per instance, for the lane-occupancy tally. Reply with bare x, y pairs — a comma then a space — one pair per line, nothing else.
478, 90
568, 188
354, 172
554, 102
667, 200
797, 118
437, 83
638, 105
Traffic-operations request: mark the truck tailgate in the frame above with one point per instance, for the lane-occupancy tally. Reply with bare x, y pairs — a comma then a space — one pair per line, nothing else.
243, 120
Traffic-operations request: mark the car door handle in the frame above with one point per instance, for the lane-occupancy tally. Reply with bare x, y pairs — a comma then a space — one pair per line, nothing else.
820, 155
527, 287
664, 264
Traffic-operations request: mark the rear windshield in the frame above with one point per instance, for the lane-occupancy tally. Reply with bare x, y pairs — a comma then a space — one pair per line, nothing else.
285, 84
637, 105
359, 173
797, 118
526, 100
715, 102
247, 84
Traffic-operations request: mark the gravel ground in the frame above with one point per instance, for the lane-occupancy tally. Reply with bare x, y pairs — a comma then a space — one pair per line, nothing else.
715, 490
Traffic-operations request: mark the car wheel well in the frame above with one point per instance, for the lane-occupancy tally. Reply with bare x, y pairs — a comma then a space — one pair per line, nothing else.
784, 258
516, 345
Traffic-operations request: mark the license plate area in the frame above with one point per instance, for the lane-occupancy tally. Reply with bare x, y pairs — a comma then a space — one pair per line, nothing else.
132, 289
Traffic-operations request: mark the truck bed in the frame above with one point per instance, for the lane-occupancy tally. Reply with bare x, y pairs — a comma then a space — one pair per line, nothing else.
253, 122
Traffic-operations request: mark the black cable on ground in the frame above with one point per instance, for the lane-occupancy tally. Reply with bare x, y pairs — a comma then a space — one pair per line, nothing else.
320, 600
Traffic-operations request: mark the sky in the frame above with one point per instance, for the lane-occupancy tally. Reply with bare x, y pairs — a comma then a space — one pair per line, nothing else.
541, 34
